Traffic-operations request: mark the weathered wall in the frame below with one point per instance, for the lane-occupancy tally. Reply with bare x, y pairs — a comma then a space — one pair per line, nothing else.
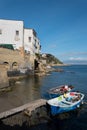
11, 56
4, 82
8, 58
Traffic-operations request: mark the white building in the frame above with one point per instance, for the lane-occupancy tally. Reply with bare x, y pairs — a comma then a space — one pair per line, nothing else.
11, 32
31, 42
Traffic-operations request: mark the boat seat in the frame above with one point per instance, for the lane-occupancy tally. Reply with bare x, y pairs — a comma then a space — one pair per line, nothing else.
67, 102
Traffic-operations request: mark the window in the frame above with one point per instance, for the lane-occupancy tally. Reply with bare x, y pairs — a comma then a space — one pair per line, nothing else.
17, 36
35, 46
35, 40
17, 33
0, 31
29, 39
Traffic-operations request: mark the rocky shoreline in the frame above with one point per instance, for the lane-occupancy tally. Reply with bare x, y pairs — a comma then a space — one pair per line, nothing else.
6, 81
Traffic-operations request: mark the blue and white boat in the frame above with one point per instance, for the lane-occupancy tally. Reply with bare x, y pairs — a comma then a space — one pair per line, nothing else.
63, 103
59, 90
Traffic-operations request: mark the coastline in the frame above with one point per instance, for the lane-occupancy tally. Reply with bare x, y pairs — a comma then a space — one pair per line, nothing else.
11, 80
61, 65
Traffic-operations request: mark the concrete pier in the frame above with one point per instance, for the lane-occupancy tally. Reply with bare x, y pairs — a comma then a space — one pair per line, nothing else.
27, 108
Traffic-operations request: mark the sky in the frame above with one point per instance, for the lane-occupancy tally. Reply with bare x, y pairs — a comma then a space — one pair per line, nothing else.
61, 25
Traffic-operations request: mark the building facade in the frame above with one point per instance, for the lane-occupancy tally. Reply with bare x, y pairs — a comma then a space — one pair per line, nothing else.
13, 33
31, 42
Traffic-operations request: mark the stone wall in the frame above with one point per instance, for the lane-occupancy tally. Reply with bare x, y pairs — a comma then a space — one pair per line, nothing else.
12, 60
15, 56
7, 55
4, 82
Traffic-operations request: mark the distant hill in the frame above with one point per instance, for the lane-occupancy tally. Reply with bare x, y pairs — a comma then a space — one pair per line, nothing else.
51, 59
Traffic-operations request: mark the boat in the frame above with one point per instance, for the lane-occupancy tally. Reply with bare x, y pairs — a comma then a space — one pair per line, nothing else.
63, 103
57, 91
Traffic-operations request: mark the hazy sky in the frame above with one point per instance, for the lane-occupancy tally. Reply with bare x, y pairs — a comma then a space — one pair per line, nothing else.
61, 25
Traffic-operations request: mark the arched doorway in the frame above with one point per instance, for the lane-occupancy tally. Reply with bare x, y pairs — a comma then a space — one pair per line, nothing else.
6, 64
14, 65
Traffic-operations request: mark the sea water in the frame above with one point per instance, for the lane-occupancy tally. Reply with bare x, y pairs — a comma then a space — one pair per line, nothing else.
36, 87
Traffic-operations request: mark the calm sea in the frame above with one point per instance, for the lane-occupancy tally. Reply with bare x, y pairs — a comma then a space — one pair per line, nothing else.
36, 87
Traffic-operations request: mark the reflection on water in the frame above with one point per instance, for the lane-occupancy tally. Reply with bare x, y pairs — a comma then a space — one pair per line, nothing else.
22, 92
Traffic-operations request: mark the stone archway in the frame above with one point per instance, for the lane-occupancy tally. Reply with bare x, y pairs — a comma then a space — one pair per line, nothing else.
14, 66
6, 64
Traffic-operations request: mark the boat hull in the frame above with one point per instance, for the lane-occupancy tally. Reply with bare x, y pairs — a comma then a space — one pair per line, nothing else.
56, 107
57, 110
